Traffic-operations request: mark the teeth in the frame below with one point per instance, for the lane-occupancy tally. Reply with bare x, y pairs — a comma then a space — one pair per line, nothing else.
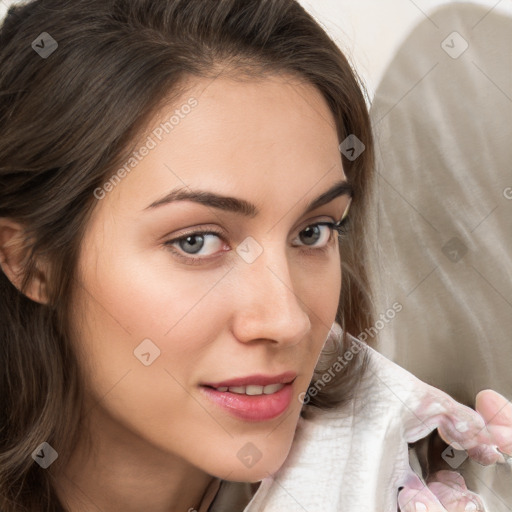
272, 388
253, 389
237, 389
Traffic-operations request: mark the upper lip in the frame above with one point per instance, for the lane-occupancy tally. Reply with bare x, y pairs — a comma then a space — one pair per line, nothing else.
257, 380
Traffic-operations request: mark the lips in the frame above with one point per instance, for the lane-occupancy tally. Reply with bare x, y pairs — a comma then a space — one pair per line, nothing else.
253, 381
256, 408
253, 389
254, 397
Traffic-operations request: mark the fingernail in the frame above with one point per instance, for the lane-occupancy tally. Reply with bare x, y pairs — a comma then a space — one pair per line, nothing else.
470, 507
450, 478
420, 507
505, 458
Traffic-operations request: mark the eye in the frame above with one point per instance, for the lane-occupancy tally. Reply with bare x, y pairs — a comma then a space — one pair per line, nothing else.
198, 244
317, 235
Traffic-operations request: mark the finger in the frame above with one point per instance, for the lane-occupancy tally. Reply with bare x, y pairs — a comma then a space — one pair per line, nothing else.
436, 409
449, 478
459, 426
417, 497
496, 411
451, 490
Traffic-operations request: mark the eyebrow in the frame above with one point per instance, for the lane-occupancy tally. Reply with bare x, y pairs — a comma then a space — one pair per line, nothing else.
241, 206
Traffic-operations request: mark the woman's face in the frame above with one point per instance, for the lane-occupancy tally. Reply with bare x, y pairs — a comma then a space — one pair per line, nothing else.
158, 318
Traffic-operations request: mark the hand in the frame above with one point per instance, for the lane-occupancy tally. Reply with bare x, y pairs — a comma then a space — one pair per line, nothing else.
496, 411
447, 490
446, 493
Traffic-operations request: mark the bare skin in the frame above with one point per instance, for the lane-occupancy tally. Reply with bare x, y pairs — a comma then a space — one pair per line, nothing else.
158, 440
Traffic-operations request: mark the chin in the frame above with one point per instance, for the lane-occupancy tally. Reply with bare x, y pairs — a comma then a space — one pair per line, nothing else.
255, 474
255, 460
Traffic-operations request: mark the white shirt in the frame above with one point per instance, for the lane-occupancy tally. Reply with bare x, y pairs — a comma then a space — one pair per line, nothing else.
355, 457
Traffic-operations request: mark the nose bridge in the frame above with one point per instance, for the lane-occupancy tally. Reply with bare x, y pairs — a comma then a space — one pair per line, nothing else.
270, 307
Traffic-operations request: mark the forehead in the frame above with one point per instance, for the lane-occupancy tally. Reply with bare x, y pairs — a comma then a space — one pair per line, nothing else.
238, 136
264, 110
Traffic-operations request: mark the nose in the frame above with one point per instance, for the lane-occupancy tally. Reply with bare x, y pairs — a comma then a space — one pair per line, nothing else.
267, 304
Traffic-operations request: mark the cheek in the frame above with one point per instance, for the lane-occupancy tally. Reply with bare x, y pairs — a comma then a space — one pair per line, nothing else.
131, 295
181, 314
142, 297
318, 289
133, 305
158, 403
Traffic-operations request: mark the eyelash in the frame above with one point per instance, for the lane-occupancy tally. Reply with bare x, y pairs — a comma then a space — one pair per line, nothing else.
340, 227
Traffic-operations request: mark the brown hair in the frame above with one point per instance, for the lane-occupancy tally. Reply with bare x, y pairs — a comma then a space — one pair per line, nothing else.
69, 119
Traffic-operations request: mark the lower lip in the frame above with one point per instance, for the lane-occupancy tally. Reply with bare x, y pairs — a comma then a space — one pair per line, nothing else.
252, 407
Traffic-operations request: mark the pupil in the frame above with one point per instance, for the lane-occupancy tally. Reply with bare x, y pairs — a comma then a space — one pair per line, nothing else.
312, 234
192, 241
